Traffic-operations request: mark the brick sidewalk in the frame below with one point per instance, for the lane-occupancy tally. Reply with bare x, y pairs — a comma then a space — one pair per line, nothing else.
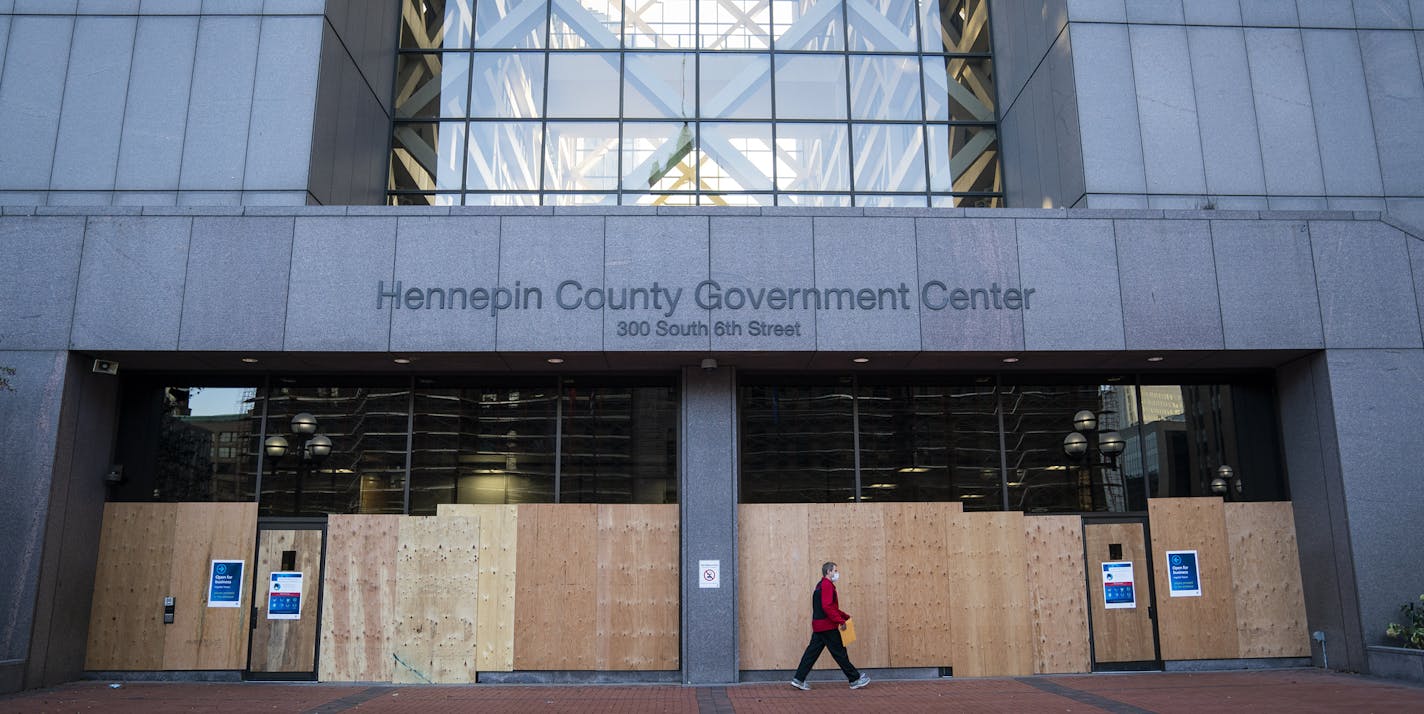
1293, 690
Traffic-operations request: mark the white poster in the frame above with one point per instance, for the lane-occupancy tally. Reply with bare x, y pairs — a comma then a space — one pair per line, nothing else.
284, 597
709, 573
1118, 590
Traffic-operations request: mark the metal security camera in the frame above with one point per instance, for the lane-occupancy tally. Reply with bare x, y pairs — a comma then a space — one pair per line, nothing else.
709, 364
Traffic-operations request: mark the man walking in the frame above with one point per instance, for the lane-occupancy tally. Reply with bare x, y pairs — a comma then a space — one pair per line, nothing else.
827, 621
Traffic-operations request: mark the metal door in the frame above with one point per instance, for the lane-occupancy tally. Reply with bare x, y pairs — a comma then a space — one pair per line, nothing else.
1122, 617
284, 631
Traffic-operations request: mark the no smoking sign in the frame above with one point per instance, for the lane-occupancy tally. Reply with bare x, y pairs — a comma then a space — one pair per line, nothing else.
709, 573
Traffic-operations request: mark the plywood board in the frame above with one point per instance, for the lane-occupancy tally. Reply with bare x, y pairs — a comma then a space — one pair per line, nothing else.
989, 589
775, 575
358, 596
287, 645
1057, 600
555, 620
1120, 634
1194, 627
920, 623
852, 535
131, 580
437, 574
638, 595
203, 637
1265, 577
499, 542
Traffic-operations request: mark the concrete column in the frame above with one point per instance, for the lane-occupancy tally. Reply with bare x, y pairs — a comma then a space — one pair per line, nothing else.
708, 498
29, 428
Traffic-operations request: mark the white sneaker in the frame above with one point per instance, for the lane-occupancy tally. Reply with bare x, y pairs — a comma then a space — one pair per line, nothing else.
857, 684
801, 685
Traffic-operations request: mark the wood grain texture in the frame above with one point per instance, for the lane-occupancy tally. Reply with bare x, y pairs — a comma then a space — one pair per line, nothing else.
989, 589
1120, 634
638, 594
1057, 600
920, 623
775, 574
358, 596
201, 637
1194, 627
126, 630
437, 573
556, 595
852, 535
1266, 584
287, 645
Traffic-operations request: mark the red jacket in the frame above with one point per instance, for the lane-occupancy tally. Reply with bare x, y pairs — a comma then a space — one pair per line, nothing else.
826, 613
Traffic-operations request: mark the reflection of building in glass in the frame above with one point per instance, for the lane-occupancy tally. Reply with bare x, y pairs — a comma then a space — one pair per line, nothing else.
721, 102
206, 457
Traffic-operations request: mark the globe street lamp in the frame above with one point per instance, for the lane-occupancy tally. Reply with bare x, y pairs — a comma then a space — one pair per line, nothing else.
313, 451
1078, 445
1226, 480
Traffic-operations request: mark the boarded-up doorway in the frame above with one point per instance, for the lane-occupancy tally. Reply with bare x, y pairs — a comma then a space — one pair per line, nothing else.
284, 632
1120, 596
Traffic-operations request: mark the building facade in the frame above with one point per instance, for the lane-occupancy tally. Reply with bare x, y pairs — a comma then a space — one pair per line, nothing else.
714, 257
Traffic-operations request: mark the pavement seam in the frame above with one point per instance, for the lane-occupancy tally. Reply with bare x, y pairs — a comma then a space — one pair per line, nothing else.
1082, 697
713, 700
349, 701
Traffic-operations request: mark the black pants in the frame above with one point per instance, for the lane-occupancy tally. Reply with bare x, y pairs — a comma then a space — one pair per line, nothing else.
831, 640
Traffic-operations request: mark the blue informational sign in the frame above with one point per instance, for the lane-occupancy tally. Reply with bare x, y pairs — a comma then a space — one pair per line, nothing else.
1118, 589
1183, 576
225, 583
284, 597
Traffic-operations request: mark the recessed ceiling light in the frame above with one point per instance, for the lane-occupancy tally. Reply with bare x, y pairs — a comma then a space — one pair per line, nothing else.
1155, 359
555, 360
1010, 360
861, 360
401, 360
249, 360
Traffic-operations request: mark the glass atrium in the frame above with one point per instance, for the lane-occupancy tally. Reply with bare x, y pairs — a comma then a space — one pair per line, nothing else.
695, 102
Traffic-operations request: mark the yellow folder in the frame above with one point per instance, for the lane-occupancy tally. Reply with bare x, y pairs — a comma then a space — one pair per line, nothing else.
848, 634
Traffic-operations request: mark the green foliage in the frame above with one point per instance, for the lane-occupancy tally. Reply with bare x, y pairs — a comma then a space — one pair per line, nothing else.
1411, 633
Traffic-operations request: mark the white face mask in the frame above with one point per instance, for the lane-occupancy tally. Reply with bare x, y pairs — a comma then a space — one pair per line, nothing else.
835, 577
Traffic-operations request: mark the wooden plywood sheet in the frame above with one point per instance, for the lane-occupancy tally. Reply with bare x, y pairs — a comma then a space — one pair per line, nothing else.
287, 645
920, 623
358, 595
989, 590
1194, 627
499, 543
131, 580
555, 620
853, 536
1265, 577
437, 573
638, 595
203, 637
1057, 601
775, 575
1120, 634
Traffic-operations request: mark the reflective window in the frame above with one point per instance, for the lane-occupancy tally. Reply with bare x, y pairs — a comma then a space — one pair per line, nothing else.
187, 443
1049, 445
618, 444
508, 85
482, 445
589, 76
363, 469
930, 443
798, 443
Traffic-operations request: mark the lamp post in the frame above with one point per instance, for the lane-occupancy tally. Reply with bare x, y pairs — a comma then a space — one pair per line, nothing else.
1078, 445
313, 451
1227, 481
